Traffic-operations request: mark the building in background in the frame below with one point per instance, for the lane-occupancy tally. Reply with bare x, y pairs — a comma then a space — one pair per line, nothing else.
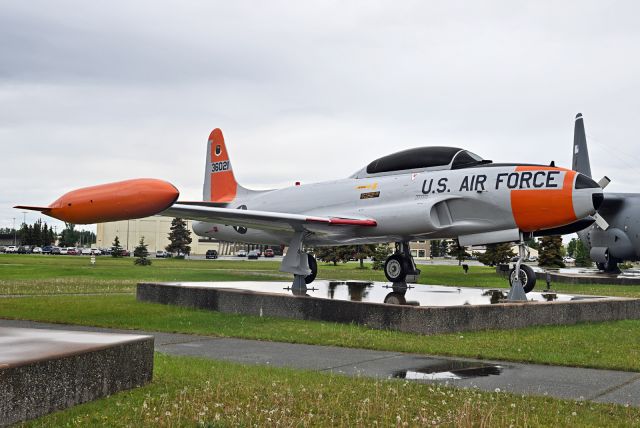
155, 231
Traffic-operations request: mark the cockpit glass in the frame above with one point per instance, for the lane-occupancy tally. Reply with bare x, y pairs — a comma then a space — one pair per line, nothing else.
421, 157
465, 159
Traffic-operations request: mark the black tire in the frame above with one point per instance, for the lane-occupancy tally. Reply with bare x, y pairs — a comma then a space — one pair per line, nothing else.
395, 268
395, 298
600, 266
313, 265
527, 277
611, 265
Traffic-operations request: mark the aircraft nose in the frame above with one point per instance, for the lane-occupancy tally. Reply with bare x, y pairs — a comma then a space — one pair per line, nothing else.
597, 199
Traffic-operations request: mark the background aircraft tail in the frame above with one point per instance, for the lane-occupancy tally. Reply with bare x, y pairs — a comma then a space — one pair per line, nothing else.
220, 184
580, 161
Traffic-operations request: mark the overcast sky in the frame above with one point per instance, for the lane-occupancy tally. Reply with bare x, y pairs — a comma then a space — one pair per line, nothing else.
305, 91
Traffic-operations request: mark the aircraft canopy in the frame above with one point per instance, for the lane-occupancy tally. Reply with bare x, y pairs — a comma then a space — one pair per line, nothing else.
420, 158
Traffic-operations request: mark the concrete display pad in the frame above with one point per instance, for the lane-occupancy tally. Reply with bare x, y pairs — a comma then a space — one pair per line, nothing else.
42, 371
589, 276
225, 297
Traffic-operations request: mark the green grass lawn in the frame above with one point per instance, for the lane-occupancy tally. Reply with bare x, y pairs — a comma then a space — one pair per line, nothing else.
37, 274
612, 345
205, 393
194, 392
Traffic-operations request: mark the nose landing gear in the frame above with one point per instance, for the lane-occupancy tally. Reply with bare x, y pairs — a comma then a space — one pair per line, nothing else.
400, 267
521, 278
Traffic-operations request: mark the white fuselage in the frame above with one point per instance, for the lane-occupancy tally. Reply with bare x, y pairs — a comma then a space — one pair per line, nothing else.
421, 205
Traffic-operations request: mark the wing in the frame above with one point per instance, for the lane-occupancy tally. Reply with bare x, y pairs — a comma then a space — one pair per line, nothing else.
263, 220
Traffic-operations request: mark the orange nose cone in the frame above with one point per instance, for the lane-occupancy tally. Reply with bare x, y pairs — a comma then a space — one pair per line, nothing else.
115, 201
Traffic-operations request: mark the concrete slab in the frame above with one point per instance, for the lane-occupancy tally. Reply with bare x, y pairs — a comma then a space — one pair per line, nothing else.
242, 298
44, 370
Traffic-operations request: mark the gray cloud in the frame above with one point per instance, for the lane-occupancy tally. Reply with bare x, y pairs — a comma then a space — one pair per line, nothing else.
305, 91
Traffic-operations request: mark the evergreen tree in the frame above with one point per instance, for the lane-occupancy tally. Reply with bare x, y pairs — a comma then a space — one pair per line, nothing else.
550, 254
571, 247
116, 249
141, 253
444, 247
458, 252
496, 254
380, 256
583, 258
180, 237
36, 234
335, 255
532, 243
69, 236
361, 252
434, 246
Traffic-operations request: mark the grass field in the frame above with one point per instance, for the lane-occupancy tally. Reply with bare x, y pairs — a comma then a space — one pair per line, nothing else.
188, 392
204, 393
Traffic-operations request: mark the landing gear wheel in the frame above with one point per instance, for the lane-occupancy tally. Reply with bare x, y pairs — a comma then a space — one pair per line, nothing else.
395, 298
527, 277
395, 268
600, 266
611, 265
313, 265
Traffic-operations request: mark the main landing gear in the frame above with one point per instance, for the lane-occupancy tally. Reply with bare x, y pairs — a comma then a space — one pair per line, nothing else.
302, 265
400, 267
521, 278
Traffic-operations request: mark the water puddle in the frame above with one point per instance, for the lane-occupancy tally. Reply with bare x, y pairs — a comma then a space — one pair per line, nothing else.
378, 292
450, 370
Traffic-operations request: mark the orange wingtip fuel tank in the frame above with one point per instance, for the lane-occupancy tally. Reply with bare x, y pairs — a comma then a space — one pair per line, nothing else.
122, 200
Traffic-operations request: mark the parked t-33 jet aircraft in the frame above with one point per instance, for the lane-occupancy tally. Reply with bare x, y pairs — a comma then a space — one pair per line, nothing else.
415, 194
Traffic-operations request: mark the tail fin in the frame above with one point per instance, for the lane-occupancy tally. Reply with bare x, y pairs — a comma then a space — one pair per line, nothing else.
580, 161
220, 184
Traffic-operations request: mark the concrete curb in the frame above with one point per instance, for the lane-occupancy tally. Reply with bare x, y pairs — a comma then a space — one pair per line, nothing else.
411, 319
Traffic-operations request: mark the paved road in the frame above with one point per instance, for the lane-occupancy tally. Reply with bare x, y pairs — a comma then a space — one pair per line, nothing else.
605, 386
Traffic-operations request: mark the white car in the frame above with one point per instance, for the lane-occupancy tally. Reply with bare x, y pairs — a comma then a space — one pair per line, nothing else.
86, 251
241, 253
36, 250
64, 250
12, 249
96, 251
569, 260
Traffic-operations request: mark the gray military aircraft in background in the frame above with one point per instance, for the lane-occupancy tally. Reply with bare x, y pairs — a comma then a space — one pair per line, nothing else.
420, 193
617, 238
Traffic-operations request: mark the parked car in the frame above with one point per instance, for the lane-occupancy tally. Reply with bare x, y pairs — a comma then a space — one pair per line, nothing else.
253, 254
24, 249
162, 254
85, 251
63, 251
47, 249
125, 253
241, 253
269, 252
56, 251
568, 259
211, 254
12, 249
96, 251
36, 250
72, 251
3, 249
